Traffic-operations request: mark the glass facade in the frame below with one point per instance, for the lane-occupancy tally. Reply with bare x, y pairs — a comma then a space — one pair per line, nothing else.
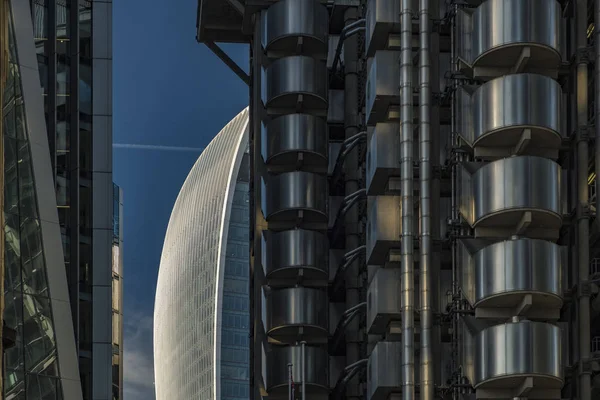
201, 313
31, 366
235, 342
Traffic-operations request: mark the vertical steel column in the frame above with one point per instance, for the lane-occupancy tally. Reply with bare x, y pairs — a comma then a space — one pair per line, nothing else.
50, 49
582, 197
351, 173
406, 178
426, 354
597, 101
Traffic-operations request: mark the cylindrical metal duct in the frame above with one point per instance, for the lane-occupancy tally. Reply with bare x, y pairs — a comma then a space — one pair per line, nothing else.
426, 354
292, 251
296, 139
290, 20
316, 376
291, 192
406, 179
298, 312
518, 350
297, 80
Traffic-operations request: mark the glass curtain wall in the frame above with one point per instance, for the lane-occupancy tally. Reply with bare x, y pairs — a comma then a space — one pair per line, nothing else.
31, 366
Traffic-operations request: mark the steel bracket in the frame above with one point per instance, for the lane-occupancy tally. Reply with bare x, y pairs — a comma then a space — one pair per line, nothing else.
584, 289
584, 367
584, 55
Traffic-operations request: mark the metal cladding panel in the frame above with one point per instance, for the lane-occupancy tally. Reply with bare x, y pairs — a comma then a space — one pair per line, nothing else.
383, 228
289, 251
383, 157
287, 137
517, 266
187, 316
289, 77
383, 300
516, 183
382, 85
289, 20
291, 192
299, 307
499, 111
501, 28
383, 370
317, 369
383, 17
507, 351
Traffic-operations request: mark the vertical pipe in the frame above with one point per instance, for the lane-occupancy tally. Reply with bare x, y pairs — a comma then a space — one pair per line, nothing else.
597, 111
351, 183
406, 178
426, 354
4, 46
303, 370
582, 195
290, 381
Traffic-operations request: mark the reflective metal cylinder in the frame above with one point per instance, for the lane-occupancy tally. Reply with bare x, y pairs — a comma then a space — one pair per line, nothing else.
291, 192
317, 373
503, 107
291, 21
300, 308
296, 139
506, 270
290, 251
296, 80
504, 188
523, 349
502, 28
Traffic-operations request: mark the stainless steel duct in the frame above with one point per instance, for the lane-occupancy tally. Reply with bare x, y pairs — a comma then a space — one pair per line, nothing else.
583, 229
406, 179
426, 354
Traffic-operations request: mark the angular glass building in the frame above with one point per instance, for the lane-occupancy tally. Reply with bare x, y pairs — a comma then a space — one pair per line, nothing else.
43, 362
201, 313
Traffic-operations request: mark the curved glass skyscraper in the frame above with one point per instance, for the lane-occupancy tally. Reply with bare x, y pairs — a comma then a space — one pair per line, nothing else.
201, 314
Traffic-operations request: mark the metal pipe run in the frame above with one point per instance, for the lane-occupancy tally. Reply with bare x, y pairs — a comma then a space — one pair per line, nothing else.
406, 178
346, 375
597, 101
426, 354
290, 365
347, 31
582, 195
303, 370
345, 320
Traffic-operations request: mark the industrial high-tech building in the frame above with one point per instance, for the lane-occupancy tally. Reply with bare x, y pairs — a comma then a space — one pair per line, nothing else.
61, 93
201, 312
423, 195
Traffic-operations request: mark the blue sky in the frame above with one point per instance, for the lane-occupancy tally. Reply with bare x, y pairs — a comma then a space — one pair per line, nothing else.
169, 90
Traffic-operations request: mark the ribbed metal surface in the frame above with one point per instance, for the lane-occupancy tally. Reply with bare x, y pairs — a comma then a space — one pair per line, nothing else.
502, 28
500, 191
506, 353
289, 20
296, 139
297, 312
289, 77
507, 269
291, 192
502, 108
188, 287
317, 373
294, 250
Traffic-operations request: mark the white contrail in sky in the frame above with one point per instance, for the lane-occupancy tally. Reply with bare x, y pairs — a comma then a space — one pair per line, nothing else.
153, 147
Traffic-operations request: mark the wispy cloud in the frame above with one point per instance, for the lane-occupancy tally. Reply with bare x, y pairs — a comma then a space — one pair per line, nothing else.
138, 368
156, 148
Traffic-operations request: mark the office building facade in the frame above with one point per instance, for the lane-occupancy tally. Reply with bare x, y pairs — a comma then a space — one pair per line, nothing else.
117, 294
423, 195
43, 362
201, 312
72, 58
